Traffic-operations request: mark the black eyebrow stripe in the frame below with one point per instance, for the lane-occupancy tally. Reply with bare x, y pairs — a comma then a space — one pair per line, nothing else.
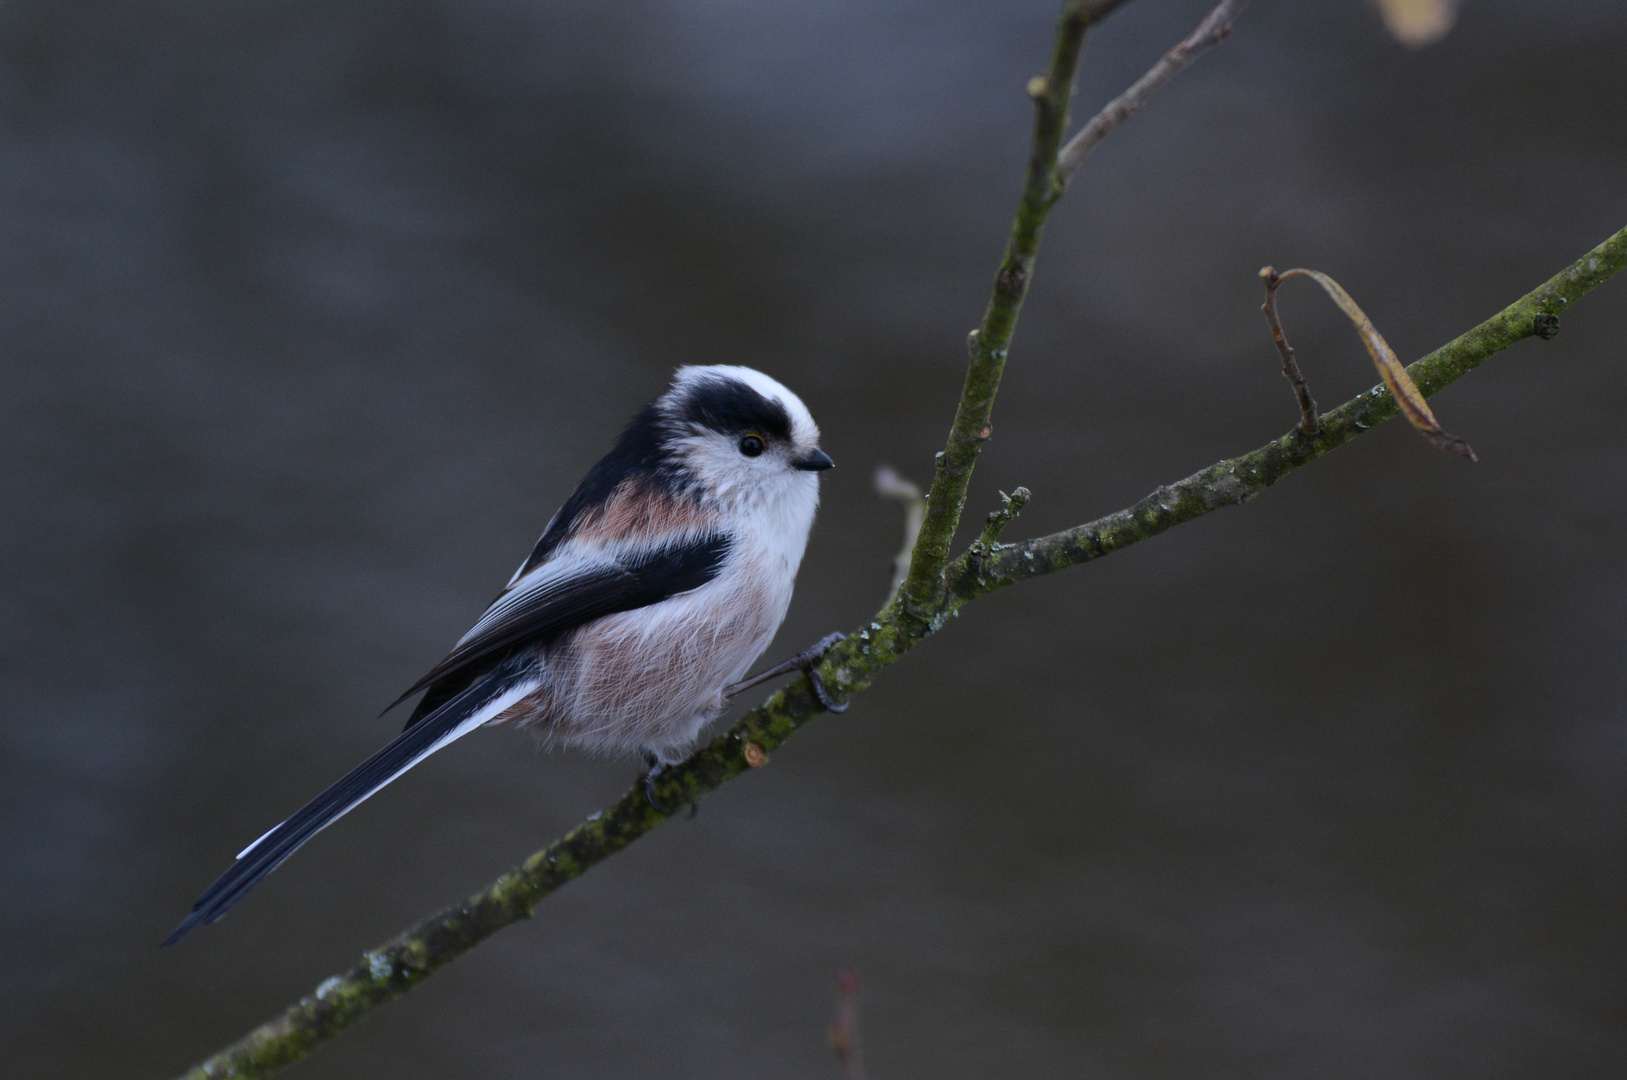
732, 407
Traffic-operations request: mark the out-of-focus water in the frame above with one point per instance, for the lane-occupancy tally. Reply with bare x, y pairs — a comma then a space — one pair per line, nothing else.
313, 312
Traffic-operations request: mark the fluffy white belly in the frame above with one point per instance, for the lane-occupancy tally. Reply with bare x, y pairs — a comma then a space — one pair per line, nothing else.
651, 678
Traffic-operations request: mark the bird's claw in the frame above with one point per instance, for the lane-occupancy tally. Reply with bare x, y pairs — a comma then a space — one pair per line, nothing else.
810, 668
655, 768
806, 662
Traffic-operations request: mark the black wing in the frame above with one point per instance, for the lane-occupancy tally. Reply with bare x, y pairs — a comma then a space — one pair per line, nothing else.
552, 606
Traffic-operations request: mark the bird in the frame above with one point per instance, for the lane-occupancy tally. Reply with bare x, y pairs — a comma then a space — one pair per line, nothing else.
632, 622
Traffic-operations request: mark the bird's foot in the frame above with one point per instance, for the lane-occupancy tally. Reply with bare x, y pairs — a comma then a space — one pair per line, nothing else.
806, 662
654, 767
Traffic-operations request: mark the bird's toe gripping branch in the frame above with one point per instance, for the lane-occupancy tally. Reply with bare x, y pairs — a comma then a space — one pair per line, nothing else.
806, 662
809, 663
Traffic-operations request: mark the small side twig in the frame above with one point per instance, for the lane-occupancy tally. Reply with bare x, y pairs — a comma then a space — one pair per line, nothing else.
1290, 367
1211, 31
907, 493
844, 1030
1010, 506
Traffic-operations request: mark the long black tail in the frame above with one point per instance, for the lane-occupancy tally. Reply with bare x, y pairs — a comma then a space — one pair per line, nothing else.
471, 708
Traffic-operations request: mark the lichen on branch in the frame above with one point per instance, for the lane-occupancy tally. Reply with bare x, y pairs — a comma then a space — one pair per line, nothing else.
1238, 479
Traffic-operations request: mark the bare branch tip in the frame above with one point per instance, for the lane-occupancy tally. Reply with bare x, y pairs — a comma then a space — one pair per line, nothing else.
1010, 506
907, 493
1213, 29
844, 1031
1309, 426
891, 485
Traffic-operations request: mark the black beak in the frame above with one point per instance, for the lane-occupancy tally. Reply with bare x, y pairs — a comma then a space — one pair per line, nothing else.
817, 461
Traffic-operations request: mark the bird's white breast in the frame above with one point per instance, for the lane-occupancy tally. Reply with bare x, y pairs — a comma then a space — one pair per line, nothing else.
651, 678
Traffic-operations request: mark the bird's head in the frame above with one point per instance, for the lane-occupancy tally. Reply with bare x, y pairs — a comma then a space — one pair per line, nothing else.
742, 438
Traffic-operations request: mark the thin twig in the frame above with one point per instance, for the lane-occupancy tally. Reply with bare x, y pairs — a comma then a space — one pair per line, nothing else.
389, 971
1052, 94
844, 1030
890, 485
1211, 31
1049, 166
1290, 366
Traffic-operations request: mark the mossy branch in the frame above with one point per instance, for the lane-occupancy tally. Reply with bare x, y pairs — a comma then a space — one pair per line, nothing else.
1050, 163
1238, 479
390, 970
1052, 93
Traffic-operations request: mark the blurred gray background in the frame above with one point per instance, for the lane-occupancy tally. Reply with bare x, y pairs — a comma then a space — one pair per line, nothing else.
313, 312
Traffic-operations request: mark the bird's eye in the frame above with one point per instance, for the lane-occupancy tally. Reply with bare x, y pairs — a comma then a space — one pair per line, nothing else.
751, 445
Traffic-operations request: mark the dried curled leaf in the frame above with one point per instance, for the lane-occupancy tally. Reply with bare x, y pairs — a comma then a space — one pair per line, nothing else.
1416, 23
1390, 369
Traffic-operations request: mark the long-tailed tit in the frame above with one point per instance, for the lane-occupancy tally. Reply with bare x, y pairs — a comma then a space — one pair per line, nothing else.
658, 583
